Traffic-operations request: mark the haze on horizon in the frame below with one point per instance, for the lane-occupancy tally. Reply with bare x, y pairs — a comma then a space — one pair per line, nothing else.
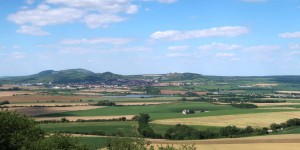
210, 37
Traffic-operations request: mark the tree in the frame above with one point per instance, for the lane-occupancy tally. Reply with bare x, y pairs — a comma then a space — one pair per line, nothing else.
60, 141
18, 131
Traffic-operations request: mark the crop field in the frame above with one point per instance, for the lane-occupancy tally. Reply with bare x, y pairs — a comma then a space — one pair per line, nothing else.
74, 118
12, 93
127, 128
166, 111
242, 120
34, 111
43, 98
274, 142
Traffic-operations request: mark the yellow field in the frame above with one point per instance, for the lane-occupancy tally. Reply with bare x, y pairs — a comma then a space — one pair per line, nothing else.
242, 120
273, 142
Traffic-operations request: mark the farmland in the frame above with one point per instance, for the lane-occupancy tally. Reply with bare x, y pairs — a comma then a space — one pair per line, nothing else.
77, 111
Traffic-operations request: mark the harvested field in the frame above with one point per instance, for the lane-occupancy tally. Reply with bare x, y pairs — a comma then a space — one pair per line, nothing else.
265, 85
74, 118
274, 104
12, 93
241, 120
288, 92
274, 142
140, 103
43, 98
34, 111
46, 104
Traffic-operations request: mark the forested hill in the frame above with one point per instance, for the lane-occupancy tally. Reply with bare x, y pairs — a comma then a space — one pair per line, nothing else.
82, 75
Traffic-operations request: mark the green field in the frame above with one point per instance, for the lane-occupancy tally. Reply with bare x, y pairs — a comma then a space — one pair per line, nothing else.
124, 128
165, 111
94, 142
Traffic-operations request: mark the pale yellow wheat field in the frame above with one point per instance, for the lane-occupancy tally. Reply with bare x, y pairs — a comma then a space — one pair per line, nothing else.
242, 120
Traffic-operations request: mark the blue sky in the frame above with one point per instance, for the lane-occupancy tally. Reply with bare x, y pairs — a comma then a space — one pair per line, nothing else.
211, 37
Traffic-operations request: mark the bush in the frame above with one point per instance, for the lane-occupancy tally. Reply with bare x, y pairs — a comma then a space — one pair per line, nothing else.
4, 102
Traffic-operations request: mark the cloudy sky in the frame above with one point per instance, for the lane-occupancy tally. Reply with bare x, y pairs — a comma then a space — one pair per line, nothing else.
211, 37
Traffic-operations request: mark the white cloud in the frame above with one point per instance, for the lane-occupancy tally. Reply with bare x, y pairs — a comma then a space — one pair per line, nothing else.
94, 13
234, 59
43, 15
102, 6
1, 47
114, 41
290, 35
225, 31
254, 1
17, 55
219, 46
29, 2
31, 30
16, 47
178, 55
261, 48
132, 49
167, 1
76, 50
178, 48
294, 46
224, 55
102, 20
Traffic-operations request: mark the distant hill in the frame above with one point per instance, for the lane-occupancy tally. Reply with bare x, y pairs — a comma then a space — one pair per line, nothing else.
63, 76
82, 75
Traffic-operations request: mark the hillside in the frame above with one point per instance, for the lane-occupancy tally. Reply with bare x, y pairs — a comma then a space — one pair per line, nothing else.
82, 75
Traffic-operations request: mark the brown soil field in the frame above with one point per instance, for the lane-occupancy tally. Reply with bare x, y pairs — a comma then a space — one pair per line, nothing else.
179, 92
11, 93
242, 120
74, 118
45, 104
34, 111
42, 98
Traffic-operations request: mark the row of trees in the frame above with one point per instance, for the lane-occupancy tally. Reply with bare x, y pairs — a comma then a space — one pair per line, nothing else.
289, 123
244, 106
105, 103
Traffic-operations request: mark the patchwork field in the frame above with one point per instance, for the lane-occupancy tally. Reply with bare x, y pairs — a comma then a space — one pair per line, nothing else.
34, 111
240, 120
43, 98
74, 118
12, 93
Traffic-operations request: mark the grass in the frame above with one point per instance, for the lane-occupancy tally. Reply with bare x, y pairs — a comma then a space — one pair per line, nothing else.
94, 142
126, 128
